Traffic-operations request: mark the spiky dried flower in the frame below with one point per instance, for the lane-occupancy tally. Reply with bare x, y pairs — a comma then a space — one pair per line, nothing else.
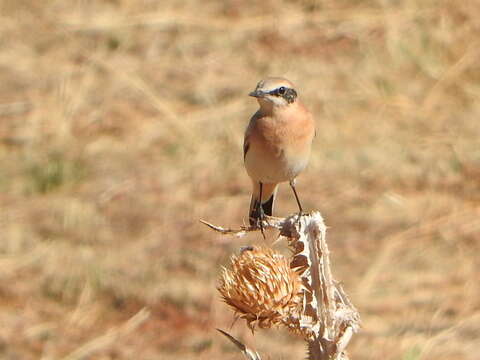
262, 288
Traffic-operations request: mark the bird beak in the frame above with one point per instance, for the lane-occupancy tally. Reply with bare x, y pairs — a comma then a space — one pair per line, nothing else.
257, 93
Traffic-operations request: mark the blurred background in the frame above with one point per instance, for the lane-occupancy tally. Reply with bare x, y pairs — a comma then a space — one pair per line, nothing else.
121, 125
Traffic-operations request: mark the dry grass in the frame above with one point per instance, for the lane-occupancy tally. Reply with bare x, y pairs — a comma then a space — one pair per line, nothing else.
121, 125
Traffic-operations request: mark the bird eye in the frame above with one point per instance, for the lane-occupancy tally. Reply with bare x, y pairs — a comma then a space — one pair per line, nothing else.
281, 90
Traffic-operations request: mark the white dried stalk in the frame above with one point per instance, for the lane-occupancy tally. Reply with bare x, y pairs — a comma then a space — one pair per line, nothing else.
328, 317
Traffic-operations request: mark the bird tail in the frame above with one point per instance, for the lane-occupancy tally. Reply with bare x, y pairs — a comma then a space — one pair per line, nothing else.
268, 196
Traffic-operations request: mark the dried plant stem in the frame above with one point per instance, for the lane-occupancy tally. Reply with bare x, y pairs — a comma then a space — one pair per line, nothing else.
249, 354
269, 222
326, 319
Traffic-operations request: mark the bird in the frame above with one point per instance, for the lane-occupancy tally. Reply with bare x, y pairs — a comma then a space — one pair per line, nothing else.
277, 144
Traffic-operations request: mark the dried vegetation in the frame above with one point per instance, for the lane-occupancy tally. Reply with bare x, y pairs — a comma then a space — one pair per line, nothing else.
121, 125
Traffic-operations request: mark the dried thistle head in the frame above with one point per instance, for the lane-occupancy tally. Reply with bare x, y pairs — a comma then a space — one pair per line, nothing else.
262, 288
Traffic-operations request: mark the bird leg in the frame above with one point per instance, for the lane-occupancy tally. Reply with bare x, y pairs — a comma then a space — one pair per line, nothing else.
292, 184
261, 213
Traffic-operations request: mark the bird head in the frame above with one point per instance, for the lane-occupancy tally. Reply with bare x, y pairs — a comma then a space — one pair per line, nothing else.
274, 91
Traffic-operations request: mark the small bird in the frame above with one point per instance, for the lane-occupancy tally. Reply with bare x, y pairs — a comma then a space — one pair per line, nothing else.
277, 144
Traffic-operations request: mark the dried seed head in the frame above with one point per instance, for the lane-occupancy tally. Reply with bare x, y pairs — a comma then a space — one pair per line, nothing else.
262, 288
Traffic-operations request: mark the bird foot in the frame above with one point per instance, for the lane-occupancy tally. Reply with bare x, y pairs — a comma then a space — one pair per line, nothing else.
260, 221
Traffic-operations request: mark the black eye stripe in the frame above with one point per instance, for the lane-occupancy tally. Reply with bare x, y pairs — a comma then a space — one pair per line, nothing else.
288, 94
281, 91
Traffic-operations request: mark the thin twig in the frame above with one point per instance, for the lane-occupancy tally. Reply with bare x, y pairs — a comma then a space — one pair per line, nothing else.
269, 222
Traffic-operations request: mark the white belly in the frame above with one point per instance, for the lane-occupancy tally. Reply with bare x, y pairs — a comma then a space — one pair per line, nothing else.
271, 168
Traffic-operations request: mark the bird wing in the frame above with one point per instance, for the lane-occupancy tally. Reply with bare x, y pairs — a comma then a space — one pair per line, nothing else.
246, 140
246, 146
